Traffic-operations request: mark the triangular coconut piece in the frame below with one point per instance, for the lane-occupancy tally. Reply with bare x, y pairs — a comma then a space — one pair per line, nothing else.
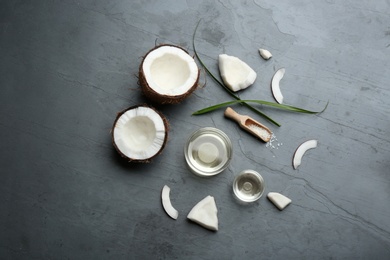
279, 200
235, 73
205, 213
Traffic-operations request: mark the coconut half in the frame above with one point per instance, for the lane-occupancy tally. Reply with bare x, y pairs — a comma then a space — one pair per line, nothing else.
168, 74
140, 133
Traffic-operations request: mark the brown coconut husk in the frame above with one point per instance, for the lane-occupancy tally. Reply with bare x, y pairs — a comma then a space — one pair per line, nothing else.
146, 160
157, 97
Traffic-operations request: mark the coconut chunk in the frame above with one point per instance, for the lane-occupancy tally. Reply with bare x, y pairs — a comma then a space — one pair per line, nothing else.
140, 133
168, 74
235, 73
279, 200
265, 54
205, 213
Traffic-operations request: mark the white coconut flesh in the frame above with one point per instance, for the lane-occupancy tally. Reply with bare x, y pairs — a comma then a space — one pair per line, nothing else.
235, 73
139, 133
205, 213
265, 54
275, 85
166, 202
170, 71
301, 150
279, 200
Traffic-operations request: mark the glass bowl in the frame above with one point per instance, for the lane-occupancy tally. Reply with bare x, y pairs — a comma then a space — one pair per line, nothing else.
208, 151
248, 186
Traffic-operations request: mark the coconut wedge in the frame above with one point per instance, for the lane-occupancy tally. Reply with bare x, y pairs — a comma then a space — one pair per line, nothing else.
235, 73
205, 213
265, 54
301, 150
279, 200
275, 88
166, 202
140, 133
168, 74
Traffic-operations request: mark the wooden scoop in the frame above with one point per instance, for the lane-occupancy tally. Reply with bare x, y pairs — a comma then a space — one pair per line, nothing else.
250, 125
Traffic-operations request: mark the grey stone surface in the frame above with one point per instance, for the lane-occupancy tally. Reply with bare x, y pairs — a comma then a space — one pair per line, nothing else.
67, 68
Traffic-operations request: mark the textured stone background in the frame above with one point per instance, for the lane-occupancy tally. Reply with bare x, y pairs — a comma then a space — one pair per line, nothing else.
67, 68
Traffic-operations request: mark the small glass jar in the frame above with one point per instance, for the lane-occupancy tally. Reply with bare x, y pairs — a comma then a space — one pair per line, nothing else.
248, 186
208, 151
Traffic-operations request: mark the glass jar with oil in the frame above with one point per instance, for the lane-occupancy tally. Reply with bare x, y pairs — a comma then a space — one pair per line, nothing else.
208, 151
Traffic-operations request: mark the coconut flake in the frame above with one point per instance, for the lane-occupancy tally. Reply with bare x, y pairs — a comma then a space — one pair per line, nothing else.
265, 54
279, 200
166, 202
235, 73
205, 213
297, 159
275, 88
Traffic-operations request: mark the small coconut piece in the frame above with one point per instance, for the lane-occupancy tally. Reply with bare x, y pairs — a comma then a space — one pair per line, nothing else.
235, 73
166, 202
297, 159
265, 54
205, 213
168, 74
279, 200
275, 88
140, 133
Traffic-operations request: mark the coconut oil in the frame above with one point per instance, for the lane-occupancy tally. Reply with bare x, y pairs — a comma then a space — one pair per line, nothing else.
248, 186
208, 151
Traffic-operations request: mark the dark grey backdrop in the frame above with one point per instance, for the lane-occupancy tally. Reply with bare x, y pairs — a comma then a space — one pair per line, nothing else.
67, 68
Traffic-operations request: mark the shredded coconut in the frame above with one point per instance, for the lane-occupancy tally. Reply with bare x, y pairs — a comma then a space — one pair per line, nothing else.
273, 143
261, 132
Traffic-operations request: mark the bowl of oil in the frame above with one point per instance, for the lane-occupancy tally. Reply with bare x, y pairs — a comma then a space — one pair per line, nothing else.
248, 186
208, 151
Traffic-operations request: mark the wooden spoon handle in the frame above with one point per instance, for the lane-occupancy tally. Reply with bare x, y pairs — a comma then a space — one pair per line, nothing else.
230, 113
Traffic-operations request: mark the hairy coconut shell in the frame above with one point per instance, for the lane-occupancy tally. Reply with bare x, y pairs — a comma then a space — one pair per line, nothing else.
158, 97
146, 160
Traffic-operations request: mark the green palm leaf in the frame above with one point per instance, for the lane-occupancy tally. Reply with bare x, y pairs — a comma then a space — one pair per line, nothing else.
261, 102
240, 101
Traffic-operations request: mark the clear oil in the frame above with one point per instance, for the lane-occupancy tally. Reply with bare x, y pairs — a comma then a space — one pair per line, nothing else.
248, 187
208, 153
